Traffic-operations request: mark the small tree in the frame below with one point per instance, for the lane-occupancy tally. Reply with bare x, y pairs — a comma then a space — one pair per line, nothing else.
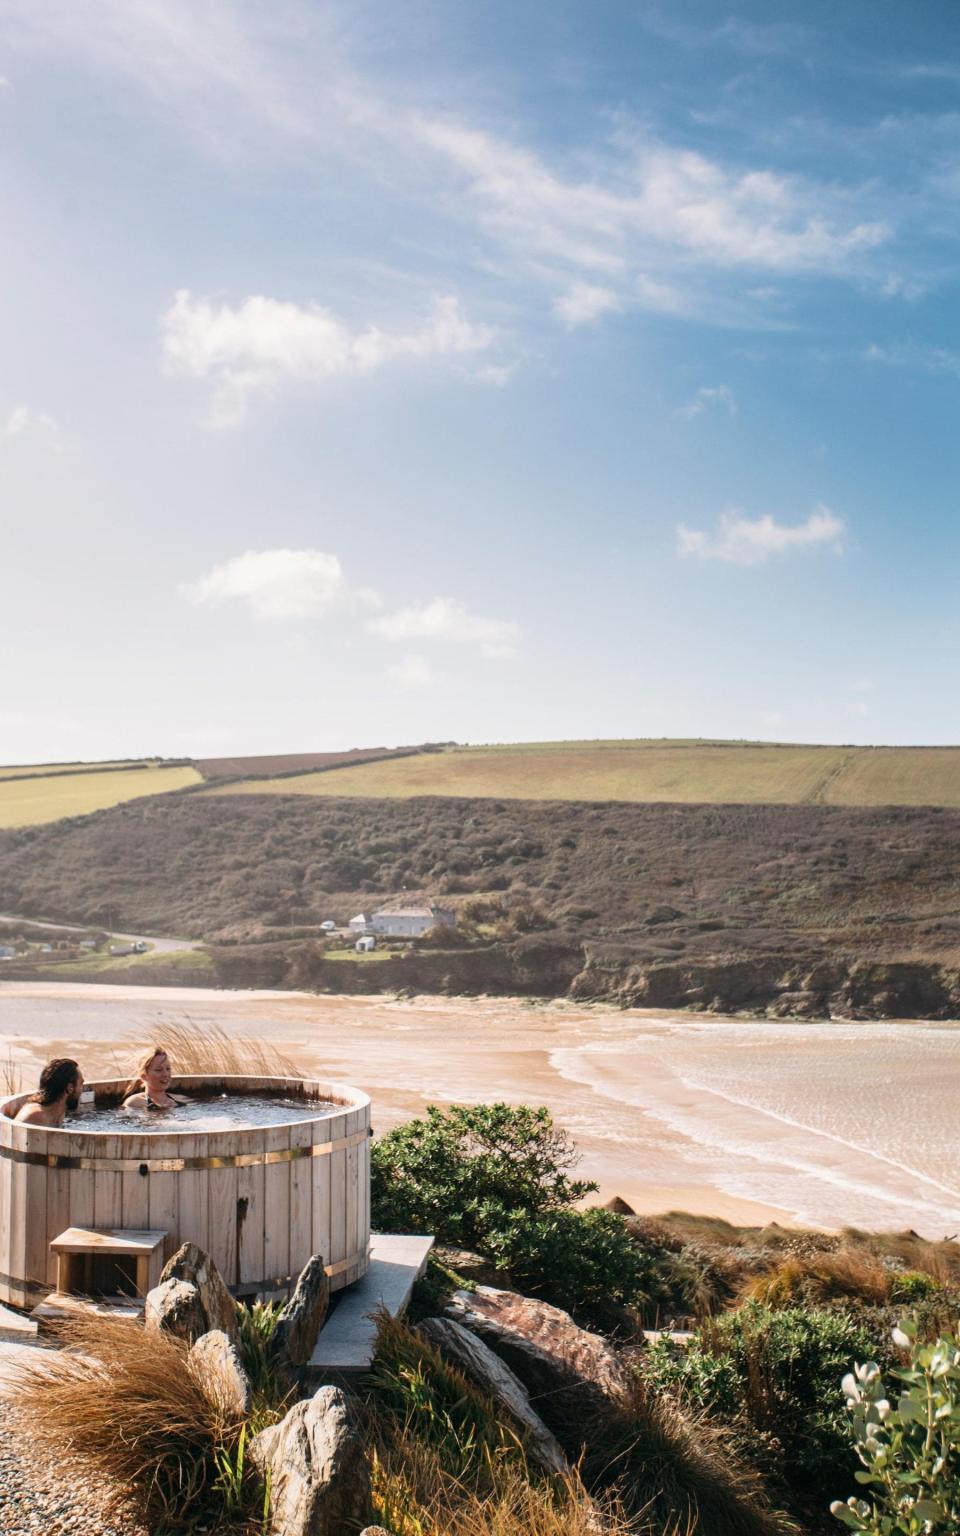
910, 1450
466, 1171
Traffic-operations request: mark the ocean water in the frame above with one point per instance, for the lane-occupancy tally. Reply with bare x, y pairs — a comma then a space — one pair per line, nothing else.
842, 1124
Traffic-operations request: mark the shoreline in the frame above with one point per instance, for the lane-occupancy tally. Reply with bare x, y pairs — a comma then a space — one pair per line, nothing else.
643, 1093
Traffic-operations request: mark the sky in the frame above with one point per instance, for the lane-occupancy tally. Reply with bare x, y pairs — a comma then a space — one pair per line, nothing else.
373, 374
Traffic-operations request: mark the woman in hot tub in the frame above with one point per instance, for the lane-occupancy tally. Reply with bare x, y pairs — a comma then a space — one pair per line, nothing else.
153, 1076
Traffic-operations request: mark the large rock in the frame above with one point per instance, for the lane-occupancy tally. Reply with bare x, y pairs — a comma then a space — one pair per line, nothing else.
497, 1380
569, 1372
174, 1306
299, 1324
317, 1470
196, 1268
471, 1266
216, 1362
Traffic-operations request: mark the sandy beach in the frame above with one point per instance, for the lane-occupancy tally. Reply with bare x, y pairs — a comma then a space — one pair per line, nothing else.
827, 1124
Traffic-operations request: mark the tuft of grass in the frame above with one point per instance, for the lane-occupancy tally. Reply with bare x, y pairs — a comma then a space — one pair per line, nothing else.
137, 1418
816, 1279
208, 1048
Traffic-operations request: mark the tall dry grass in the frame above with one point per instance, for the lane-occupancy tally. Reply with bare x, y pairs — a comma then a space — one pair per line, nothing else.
815, 1279
414, 1495
209, 1049
129, 1410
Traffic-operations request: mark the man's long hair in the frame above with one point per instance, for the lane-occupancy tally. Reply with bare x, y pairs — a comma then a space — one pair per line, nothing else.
55, 1079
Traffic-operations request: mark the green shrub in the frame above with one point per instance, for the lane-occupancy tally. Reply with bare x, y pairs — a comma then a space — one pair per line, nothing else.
581, 1260
778, 1368
910, 1450
913, 1285
499, 1179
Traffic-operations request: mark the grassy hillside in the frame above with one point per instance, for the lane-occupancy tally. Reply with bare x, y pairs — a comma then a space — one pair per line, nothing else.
47, 770
30, 801
693, 772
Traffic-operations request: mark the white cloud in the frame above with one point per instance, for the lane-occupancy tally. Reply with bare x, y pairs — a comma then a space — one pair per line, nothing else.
444, 618
22, 419
657, 201
741, 540
411, 672
720, 395
584, 303
282, 584
496, 374
254, 347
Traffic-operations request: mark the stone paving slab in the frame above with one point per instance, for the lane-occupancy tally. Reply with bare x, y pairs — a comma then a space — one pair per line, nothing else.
346, 1344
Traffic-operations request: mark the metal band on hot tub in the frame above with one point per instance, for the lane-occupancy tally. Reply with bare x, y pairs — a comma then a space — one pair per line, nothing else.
147, 1165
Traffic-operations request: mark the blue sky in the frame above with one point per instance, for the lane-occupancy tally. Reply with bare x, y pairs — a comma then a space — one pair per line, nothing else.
381, 373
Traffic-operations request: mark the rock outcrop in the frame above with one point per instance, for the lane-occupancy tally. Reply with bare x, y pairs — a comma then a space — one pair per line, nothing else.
215, 1360
465, 1350
191, 1298
315, 1462
569, 1372
472, 1266
299, 1324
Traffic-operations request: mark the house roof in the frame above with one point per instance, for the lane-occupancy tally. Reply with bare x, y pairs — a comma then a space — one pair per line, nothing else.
405, 912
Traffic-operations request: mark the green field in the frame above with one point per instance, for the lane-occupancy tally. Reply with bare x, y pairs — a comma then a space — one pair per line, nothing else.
48, 770
691, 772
26, 802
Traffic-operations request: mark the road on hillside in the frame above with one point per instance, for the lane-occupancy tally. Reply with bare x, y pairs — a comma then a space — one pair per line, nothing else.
160, 946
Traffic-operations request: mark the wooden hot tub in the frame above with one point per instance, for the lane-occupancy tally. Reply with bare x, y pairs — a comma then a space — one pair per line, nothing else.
259, 1200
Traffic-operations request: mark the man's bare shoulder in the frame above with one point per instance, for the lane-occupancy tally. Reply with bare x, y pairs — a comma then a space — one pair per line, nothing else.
31, 1114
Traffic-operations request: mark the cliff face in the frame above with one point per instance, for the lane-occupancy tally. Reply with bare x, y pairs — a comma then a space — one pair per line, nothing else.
774, 985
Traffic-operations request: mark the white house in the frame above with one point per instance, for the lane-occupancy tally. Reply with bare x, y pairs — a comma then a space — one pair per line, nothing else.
365, 945
411, 922
360, 923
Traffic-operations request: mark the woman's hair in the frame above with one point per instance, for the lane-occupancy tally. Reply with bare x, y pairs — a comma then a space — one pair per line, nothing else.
145, 1061
55, 1079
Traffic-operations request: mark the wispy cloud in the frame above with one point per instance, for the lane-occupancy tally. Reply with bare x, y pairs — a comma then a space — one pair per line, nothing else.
444, 618
584, 303
708, 397
23, 419
740, 540
282, 584
411, 672
922, 358
262, 342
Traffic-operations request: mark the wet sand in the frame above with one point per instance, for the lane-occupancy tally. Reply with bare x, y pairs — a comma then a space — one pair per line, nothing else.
823, 1124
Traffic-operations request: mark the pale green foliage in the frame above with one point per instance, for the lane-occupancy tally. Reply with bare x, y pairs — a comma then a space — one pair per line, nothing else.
910, 1448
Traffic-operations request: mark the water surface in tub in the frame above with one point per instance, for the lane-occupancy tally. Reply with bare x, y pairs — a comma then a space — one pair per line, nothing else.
221, 1112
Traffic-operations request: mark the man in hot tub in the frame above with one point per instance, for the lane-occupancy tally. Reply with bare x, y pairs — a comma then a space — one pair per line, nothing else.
153, 1074
61, 1084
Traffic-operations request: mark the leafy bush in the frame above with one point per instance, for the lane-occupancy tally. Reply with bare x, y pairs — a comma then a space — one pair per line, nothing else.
910, 1451
913, 1285
499, 1179
779, 1368
580, 1260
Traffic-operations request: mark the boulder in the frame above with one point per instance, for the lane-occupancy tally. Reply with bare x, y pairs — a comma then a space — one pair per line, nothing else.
216, 1361
299, 1324
219, 1309
472, 1266
317, 1470
488, 1372
569, 1372
174, 1306
619, 1206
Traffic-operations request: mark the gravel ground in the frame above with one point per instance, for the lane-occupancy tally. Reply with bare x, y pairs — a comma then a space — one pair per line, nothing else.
38, 1499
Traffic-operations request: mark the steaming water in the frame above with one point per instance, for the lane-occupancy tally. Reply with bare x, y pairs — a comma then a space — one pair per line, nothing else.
225, 1112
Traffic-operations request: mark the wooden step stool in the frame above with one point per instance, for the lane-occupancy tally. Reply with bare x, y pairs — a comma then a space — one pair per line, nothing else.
108, 1261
